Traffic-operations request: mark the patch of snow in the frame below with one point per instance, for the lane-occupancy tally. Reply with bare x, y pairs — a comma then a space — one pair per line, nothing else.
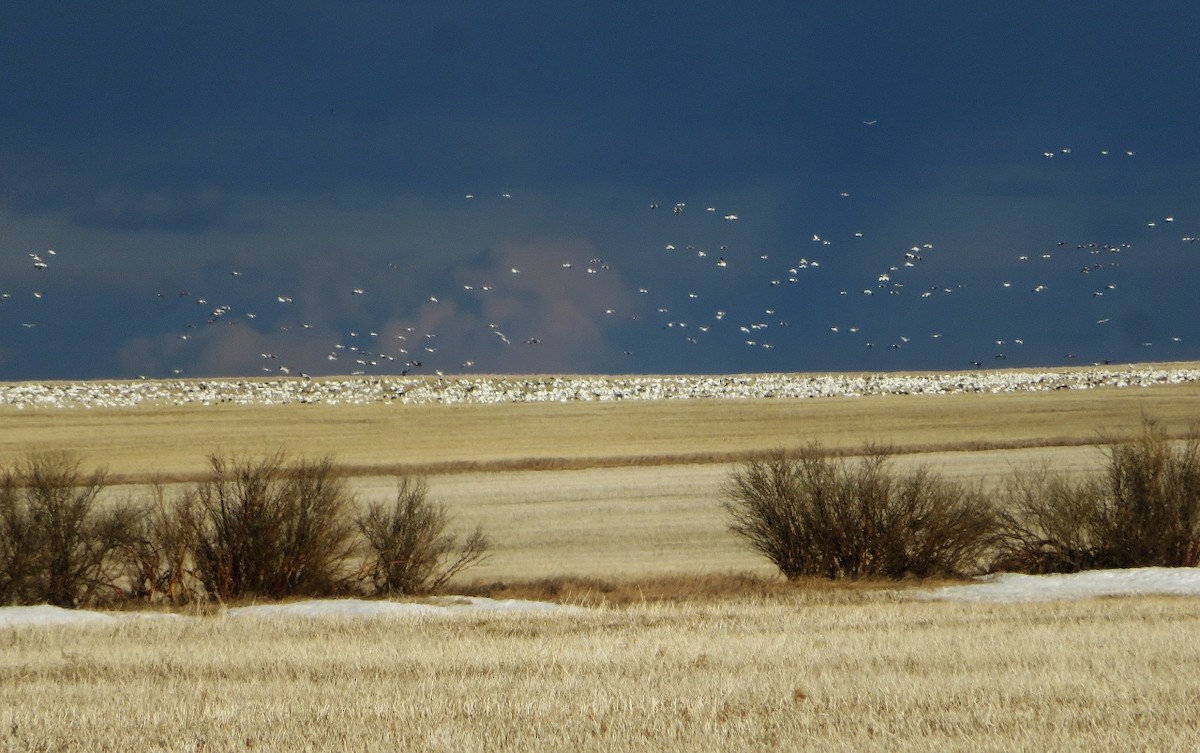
484, 604
44, 614
1014, 587
444, 606
343, 608
999, 588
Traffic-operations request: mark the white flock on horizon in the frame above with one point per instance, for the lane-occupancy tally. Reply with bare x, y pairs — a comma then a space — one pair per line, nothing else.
529, 389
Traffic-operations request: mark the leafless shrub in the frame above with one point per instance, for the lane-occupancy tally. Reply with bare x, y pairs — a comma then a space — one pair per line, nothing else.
1143, 510
21, 545
409, 549
813, 515
1049, 524
271, 528
55, 547
319, 532
1150, 511
157, 553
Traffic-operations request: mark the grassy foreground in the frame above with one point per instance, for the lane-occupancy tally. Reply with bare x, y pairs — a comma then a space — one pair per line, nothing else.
822, 670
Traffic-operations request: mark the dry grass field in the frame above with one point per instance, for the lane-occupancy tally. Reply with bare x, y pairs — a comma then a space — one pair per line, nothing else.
820, 670
623, 496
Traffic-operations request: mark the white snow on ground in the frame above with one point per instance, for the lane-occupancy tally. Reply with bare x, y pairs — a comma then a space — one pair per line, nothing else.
44, 614
480, 603
346, 608
1006, 587
445, 606
448, 606
1009, 587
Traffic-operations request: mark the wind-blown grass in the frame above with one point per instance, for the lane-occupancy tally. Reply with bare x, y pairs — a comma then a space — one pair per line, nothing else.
836, 670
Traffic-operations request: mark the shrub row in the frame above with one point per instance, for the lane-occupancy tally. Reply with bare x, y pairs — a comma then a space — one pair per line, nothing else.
254, 527
813, 515
272, 528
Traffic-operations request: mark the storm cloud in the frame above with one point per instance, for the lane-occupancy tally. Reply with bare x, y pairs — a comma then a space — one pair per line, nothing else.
319, 189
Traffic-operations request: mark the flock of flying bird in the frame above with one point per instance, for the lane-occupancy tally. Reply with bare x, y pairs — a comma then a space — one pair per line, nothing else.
670, 308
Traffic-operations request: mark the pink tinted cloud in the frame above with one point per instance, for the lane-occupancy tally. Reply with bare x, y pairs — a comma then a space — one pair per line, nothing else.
542, 317
226, 350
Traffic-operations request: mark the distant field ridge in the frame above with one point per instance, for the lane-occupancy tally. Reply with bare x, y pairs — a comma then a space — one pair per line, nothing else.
532, 389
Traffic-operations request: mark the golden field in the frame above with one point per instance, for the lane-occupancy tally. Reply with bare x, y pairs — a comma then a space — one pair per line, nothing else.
623, 496
823, 670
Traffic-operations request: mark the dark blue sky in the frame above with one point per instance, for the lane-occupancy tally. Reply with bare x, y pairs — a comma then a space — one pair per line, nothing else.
191, 166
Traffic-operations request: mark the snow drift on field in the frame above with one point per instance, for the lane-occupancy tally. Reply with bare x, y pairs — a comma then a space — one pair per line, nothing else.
440, 607
334, 608
44, 614
1168, 581
1008, 587
449, 606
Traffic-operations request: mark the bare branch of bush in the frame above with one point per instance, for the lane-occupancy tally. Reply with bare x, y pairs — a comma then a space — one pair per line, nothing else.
817, 516
1049, 524
21, 545
1151, 501
268, 528
1144, 510
410, 551
54, 546
940, 527
158, 550
317, 536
